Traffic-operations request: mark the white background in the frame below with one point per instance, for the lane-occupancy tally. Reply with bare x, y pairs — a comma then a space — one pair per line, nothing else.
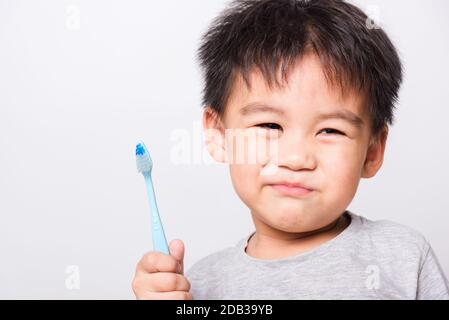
74, 99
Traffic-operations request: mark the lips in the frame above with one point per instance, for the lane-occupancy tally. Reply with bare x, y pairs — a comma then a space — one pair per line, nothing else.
292, 189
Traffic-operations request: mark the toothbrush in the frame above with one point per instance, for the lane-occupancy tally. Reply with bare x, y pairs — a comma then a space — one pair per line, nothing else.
144, 166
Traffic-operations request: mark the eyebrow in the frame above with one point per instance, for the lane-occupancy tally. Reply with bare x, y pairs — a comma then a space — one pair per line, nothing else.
345, 115
256, 107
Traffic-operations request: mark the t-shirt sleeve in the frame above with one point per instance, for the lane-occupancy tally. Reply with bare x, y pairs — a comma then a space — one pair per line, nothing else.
196, 283
204, 278
432, 283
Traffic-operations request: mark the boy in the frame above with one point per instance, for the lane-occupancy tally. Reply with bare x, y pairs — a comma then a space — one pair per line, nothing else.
317, 83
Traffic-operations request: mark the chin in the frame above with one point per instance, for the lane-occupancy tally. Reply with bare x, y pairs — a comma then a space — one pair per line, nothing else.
292, 221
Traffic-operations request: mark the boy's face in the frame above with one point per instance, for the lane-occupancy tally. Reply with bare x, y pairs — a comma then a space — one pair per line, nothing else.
328, 162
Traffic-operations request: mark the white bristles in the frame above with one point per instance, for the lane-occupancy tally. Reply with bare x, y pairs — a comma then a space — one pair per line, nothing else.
143, 163
143, 159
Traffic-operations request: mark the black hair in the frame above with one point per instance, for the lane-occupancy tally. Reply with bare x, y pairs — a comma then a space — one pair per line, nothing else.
272, 34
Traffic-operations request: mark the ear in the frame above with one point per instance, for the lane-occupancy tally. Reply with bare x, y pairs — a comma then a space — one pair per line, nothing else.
375, 154
214, 132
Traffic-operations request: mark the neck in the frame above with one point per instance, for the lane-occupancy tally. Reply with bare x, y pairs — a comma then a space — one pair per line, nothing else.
265, 244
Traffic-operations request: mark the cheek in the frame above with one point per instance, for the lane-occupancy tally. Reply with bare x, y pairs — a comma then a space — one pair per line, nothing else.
249, 146
342, 170
245, 181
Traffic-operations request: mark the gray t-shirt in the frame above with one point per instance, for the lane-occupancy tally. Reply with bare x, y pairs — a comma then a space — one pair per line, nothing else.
367, 260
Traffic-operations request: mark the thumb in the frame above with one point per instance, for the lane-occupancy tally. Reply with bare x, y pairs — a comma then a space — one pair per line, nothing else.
177, 252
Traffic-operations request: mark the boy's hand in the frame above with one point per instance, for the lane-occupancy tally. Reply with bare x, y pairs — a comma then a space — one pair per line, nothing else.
161, 276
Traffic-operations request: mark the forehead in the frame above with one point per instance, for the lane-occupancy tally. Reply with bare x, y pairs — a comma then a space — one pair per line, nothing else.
306, 91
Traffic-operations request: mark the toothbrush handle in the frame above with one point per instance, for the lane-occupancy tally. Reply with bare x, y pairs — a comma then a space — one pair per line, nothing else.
159, 240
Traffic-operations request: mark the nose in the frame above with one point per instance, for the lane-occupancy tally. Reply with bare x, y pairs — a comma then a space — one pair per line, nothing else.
295, 151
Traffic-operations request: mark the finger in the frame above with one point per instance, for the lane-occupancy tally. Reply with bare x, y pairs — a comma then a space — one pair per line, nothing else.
177, 250
161, 282
157, 262
173, 295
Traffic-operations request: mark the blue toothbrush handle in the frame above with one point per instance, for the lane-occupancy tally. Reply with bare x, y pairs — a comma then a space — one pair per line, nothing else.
159, 240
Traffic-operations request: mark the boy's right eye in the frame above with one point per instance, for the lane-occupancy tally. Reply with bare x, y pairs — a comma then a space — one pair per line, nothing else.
273, 126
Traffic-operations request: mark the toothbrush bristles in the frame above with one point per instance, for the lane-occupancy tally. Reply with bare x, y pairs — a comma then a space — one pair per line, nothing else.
143, 159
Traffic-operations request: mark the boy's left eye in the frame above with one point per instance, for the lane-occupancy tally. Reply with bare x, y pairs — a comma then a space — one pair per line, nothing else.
332, 131
274, 126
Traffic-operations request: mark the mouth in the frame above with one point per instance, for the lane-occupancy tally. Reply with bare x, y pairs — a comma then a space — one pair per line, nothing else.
291, 190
